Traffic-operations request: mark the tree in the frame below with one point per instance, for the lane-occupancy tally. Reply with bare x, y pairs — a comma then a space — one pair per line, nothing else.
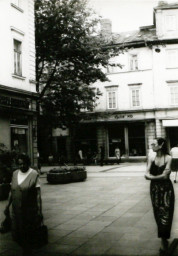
69, 57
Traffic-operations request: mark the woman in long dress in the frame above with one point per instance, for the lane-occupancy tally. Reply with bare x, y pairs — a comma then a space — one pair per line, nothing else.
25, 198
161, 191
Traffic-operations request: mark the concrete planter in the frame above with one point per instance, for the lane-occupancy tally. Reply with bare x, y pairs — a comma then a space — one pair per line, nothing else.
65, 175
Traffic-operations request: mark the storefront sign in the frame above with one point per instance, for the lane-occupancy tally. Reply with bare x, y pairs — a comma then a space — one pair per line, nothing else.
123, 116
13, 102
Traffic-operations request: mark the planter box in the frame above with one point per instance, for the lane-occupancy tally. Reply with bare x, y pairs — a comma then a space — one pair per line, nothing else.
65, 175
79, 176
59, 178
4, 191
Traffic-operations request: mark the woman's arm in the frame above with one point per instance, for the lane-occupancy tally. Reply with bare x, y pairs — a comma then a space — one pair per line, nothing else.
6, 211
147, 174
164, 175
39, 201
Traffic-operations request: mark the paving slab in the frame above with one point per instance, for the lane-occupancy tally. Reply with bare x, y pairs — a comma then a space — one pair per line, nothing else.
108, 214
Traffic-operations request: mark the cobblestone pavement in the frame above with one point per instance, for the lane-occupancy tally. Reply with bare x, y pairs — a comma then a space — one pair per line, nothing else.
108, 214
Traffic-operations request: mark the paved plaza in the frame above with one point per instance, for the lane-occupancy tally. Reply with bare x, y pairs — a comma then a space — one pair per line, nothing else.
108, 214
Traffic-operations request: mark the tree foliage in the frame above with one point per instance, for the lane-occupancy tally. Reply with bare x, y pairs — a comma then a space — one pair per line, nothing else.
69, 57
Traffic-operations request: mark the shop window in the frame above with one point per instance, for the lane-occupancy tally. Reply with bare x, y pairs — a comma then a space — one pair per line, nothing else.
136, 136
116, 140
17, 58
134, 62
86, 140
174, 94
172, 58
19, 139
170, 22
135, 97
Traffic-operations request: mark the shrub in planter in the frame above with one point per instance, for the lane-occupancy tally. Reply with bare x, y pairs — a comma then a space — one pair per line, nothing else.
58, 176
7, 166
66, 175
78, 174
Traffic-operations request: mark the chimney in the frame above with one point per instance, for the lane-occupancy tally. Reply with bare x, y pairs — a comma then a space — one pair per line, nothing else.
162, 3
106, 29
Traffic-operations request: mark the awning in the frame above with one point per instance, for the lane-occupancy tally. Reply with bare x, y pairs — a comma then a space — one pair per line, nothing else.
170, 123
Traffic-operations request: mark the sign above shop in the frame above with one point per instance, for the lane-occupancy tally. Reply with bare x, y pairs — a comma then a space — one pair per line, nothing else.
170, 123
123, 116
14, 102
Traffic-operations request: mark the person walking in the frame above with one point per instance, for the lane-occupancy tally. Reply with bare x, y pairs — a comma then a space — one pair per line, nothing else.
101, 153
161, 191
118, 155
174, 164
25, 198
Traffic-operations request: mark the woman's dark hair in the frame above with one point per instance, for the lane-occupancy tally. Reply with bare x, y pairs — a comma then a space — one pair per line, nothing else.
163, 142
25, 158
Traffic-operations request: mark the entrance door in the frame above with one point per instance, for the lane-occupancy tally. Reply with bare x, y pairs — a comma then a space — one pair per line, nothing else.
116, 139
173, 136
136, 134
19, 139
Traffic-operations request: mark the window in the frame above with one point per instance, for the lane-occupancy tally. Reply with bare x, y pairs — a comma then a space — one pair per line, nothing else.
133, 62
17, 2
174, 94
17, 58
135, 97
111, 99
170, 22
172, 58
112, 69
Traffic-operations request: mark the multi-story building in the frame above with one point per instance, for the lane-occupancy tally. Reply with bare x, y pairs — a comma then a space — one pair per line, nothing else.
17, 77
140, 101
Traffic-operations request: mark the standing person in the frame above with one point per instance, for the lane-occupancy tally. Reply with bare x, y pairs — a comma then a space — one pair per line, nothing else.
101, 152
80, 155
161, 191
118, 154
174, 164
25, 198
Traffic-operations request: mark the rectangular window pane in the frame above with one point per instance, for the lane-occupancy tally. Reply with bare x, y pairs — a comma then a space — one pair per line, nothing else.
174, 95
17, 58
135, 97
170, 23
133, 62
172, 58
112, 100
17, 2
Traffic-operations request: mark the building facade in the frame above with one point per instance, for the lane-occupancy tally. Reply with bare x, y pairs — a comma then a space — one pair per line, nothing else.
141, 100
18, 116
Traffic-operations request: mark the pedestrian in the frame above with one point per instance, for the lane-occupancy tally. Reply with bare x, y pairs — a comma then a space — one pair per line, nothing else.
174, 164
25, 198
161, 191
118, 155
101, 153
39, 162
80, 156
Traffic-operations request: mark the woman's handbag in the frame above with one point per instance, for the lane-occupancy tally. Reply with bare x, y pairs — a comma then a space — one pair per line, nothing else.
40, 237
6, 224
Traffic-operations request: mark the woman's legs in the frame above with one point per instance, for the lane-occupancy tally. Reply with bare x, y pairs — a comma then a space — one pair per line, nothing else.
164, 244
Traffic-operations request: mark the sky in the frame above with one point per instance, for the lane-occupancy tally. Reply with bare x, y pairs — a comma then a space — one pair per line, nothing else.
126, 15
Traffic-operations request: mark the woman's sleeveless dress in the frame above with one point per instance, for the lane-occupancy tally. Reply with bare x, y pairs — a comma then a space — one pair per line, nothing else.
162, 197
24, 208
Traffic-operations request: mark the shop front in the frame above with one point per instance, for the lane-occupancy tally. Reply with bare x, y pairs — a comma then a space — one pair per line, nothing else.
131, 132
18, 121
171, 126
128, 137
